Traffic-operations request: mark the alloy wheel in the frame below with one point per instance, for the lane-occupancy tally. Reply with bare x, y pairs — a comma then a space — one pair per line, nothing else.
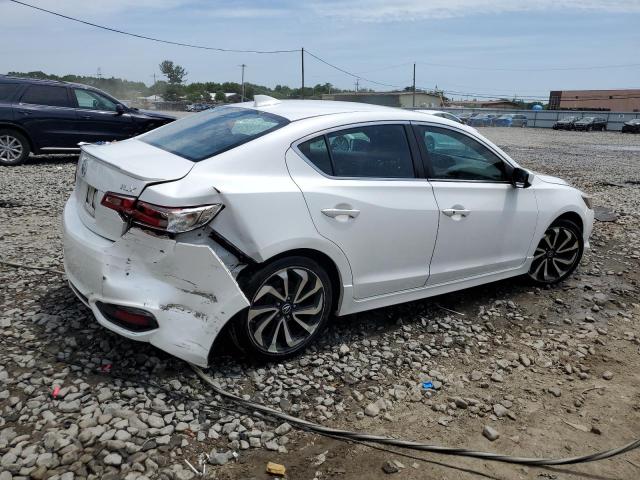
556, 255
286, 310
10, 148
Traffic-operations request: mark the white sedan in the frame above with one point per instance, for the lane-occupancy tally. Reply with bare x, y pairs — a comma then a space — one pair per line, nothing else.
268, 217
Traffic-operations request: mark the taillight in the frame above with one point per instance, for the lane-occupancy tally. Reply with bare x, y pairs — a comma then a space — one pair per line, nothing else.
130, 318
167, 219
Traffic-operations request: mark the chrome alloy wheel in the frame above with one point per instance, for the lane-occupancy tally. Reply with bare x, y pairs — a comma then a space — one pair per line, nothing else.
286, 310
556, 255
10, 148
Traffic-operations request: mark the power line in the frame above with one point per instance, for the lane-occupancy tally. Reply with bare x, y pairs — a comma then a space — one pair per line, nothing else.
153, 39
354, 75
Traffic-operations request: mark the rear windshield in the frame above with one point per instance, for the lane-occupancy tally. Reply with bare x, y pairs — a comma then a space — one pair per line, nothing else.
211, 132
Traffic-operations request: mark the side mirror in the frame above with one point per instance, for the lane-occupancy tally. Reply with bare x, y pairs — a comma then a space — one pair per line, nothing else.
120, 109
520, 178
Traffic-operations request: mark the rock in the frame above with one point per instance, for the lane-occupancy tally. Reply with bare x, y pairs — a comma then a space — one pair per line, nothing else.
608, 375
372, 410
490, 433
113, 459
392, 466
283, 429
497, 377
555, 391
461, 403
500, 410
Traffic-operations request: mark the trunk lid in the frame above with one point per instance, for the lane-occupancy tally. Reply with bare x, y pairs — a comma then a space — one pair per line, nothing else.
125, 168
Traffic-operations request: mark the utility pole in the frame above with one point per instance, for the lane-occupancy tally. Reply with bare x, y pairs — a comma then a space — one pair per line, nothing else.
99, 73
242, 95
414, 85
302, 59
357, 84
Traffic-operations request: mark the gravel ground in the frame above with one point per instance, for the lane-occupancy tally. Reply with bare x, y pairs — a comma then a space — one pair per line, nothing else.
515, 369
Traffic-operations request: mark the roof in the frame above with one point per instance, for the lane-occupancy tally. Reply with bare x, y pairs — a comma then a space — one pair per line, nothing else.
43, 81
367, 94
298, 109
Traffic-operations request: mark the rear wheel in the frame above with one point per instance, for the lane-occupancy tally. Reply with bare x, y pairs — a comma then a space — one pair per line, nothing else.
558, 253
291, 302
14, 147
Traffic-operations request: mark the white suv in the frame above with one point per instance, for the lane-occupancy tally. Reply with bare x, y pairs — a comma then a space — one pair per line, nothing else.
268, 217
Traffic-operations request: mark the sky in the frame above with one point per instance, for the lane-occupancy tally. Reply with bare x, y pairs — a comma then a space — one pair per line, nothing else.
480, 47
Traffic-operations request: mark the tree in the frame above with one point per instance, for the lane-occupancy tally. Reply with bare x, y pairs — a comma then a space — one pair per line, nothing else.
176, 75
220, 96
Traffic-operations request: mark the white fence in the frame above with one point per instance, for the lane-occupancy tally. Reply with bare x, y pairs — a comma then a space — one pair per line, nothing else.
546, 118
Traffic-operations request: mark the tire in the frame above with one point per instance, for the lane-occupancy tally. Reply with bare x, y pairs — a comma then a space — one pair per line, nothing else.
604, 128
270, 329
558, 253
14, 147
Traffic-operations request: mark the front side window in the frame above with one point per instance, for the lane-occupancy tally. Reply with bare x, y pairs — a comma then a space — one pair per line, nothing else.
211, 132
93, 100
456, 156
46, 95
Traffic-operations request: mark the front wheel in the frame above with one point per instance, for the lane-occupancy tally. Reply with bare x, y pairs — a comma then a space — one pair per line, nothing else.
291, 301
558, 253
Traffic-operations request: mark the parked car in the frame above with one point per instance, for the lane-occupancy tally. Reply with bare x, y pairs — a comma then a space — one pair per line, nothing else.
632, 126
566, 123
45, 116
511, 120
172, 236
464, 117
481, 120
198, 107
447, 115
591, 123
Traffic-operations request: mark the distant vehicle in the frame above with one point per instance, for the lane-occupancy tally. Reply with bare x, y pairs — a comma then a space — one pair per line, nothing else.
632, 126
591, 123
46, 116
198, 107
566, 123
447, 115
481, 120
511, 120
464, 117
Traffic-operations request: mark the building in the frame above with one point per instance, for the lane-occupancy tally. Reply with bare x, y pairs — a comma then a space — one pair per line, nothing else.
501, 104
608, 100
388, 99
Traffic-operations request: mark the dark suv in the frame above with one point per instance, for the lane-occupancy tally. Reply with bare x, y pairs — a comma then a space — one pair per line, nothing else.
46, 116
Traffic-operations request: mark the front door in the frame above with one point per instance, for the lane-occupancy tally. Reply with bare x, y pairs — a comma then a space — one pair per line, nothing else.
98, 119
486, 225
363, 194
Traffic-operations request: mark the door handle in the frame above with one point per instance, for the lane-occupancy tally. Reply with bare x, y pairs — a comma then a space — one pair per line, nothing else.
86, 117
24, 112
336, 212
450, 212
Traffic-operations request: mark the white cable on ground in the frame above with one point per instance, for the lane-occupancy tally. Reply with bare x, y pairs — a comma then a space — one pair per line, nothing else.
366, 437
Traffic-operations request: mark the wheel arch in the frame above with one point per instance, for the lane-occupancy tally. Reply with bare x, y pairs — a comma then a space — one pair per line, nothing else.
573, 217
321, 258
12, 126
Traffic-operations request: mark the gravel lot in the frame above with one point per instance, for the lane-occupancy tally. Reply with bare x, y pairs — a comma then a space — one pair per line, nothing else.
548, 372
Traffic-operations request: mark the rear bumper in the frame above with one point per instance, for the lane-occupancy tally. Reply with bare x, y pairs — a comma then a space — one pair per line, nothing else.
186, 287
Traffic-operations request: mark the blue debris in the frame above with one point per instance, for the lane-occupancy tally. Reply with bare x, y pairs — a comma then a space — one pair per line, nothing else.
427, 385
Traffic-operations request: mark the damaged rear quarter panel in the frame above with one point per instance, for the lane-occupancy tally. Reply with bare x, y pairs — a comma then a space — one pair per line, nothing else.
189, 287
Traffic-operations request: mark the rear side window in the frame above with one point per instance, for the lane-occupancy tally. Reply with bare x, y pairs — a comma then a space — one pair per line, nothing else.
7, 91
211, 132
46, 95
317, 152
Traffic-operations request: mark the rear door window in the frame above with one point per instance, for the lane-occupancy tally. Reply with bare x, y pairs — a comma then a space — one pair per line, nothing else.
211, 132
7, 91
46, 95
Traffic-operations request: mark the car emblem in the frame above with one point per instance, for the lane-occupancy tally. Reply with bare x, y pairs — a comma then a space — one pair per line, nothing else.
83, 168
128, 188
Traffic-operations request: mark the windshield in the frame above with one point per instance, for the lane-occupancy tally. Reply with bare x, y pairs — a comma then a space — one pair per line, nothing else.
504, 117
586, 119
211, 132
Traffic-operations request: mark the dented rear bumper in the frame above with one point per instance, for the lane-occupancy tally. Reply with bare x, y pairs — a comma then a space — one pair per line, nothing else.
186, 287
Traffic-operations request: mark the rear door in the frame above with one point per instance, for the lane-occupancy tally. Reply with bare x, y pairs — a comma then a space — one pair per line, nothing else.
486, 225
47, 113
98, 119
363, 194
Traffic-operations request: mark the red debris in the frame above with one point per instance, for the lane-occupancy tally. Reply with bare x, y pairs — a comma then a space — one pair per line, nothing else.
56, 391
